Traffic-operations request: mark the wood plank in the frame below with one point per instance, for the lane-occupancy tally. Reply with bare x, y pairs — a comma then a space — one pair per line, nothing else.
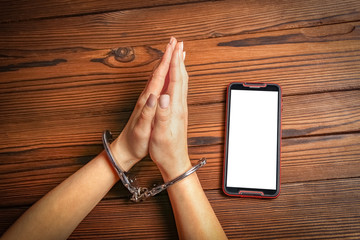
308, 61
73, 124
303, 210
303, 159
190, 21
321, 114
27, 9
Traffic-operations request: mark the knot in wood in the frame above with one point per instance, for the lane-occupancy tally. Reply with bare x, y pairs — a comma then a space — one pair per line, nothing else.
124, 54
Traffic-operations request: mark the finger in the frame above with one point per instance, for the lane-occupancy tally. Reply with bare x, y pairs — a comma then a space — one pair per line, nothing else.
156, 82
143, 124
175, 79
162, 115
185, 79
166, 84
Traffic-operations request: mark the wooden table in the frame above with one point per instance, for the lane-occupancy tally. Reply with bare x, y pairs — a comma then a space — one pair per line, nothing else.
71, 69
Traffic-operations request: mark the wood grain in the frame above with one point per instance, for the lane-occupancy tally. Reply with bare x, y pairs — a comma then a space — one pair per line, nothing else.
191, 21
76, 108
303, 159
301, 64
30, 127
305, 210
69, 70
26, 9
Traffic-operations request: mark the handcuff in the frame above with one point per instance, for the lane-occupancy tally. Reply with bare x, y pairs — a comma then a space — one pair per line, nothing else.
141, 193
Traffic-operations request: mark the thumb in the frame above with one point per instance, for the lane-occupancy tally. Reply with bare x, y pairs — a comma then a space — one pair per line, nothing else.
162, 114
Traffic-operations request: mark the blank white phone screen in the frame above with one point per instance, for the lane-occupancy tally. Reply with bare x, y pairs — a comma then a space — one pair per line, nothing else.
252, 144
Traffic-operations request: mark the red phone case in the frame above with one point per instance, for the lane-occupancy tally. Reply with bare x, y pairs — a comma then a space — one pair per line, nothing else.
261, 195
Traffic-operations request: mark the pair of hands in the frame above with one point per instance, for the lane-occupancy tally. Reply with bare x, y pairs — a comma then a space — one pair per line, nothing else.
158, 124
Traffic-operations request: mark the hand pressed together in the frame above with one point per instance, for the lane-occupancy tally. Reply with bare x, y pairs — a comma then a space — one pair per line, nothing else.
168, 142
158, 124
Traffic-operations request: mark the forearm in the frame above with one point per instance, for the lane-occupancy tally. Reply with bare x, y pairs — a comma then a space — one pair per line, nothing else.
194, 216
59, 212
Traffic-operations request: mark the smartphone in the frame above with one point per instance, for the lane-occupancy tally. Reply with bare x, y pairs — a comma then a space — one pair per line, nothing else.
252, 140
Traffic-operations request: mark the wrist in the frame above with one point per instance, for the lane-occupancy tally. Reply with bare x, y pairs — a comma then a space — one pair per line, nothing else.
175, 169
122, 156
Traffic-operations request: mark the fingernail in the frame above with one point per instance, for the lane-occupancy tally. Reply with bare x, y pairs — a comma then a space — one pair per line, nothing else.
181, 46
151, 101
172, 40
164, 101
184, 55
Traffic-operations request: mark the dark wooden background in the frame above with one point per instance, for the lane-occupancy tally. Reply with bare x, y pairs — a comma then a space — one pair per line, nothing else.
70, 69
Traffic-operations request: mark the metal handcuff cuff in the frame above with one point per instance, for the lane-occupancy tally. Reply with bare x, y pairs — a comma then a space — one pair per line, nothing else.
141, 193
